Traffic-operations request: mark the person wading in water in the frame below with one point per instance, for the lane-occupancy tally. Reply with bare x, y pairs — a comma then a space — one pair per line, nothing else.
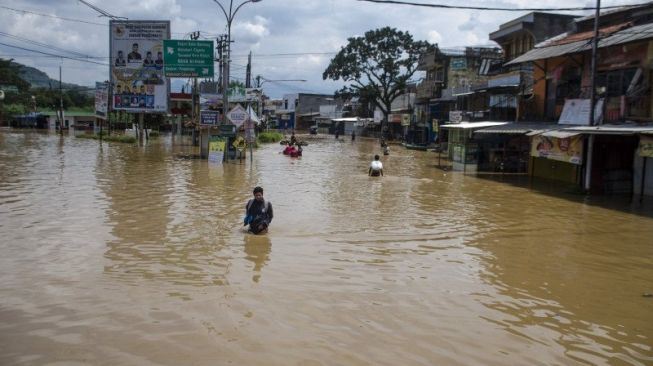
258, 213
376, 167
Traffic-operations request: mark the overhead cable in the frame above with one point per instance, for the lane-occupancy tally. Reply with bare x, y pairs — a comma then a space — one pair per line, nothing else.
443, 6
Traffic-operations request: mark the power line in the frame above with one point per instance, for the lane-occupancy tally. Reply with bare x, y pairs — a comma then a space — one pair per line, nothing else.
102, 12
52, 16
40, 44
52, 54
63, 18
442, 6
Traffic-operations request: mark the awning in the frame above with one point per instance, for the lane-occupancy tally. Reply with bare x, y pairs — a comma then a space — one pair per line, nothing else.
473, 125
560, 134
612, 129
517, 129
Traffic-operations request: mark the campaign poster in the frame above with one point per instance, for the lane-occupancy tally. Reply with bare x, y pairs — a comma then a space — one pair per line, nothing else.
101, 99
569, 150
136, 48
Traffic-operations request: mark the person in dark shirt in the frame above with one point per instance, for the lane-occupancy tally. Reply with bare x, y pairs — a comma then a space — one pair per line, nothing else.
134, 55
258, 213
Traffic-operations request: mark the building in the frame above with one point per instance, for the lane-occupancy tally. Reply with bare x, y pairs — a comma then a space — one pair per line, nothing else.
300, 110
455, 81
609, 151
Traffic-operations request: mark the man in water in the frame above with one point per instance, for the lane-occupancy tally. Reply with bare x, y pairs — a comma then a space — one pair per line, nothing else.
258, 213
376, 167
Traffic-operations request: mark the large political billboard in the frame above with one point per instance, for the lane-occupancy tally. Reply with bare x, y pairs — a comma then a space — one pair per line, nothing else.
136, 48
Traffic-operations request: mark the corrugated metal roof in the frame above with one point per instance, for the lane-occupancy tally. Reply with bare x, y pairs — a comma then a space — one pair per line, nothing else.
468, 125
518, 128
612, 129
637, 33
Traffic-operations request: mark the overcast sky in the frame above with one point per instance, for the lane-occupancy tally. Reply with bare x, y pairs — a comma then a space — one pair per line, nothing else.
271, 29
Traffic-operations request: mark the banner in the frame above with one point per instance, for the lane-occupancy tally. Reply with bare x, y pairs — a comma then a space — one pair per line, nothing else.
136, 49
216, 149
101, 99
569, 150
646, 146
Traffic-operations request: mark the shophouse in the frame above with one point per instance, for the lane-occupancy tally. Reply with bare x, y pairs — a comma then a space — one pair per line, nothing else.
607, 155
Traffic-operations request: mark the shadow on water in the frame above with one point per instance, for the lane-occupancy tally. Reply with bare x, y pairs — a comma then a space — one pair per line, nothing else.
627, 203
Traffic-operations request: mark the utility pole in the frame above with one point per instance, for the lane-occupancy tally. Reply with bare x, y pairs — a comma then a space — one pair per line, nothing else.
60, 104
590, 141
248, 73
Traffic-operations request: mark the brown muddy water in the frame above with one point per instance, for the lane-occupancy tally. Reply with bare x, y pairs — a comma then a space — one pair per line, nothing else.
114, 254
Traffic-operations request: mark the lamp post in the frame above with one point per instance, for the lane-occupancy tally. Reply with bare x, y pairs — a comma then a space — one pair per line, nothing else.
229, 17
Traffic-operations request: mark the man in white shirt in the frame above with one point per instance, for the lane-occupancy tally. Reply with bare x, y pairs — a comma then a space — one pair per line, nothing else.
376, 167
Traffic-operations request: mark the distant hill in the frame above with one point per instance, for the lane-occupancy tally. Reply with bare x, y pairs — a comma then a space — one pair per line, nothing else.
39, 79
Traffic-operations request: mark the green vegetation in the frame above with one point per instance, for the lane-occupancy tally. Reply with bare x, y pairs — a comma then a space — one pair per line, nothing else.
269, 137
377, 66
154, 134
112, 138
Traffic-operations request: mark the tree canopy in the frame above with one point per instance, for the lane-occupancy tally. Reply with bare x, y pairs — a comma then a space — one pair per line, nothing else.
377, 65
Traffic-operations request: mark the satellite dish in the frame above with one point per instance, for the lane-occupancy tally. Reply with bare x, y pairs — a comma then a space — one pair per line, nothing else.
2, 94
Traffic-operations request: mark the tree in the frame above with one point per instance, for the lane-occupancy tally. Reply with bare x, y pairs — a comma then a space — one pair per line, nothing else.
377, 65
10, 75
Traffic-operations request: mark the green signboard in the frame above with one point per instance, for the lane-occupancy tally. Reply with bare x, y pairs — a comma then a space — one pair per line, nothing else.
188, 59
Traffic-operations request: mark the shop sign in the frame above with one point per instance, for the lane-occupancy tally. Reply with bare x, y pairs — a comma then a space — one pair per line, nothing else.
456, 116
577, 112
458, 63
216, 149
646, 146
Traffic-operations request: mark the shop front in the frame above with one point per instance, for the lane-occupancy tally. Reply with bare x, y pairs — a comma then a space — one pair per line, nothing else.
463, 147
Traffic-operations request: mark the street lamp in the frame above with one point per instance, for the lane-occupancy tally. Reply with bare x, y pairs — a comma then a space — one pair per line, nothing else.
230, 17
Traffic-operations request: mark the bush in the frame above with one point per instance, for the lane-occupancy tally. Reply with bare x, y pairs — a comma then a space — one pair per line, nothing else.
269, 137
154, 134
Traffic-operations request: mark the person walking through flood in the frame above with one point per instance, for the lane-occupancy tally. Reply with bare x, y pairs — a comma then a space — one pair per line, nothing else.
258, 213
376, 167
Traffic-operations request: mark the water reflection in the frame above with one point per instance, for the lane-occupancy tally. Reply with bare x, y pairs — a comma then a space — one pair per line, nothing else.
257, 250
422, 266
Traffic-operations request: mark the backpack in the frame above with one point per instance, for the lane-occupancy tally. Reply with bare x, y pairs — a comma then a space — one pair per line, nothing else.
249, 218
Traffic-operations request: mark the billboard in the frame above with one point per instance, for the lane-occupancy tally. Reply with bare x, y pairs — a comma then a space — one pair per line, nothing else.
101, 99
136, 48
569, 150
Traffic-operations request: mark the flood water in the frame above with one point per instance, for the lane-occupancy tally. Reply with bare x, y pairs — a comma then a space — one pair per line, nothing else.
115, 254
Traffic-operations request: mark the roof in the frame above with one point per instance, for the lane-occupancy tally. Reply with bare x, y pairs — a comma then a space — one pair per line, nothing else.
473, 125
632, 34
347, 119
610, 129
518, 128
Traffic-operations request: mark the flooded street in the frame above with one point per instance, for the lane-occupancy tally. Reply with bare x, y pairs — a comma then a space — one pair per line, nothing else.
115, 254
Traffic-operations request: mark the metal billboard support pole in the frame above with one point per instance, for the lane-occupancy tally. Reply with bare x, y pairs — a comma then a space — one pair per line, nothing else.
590, 141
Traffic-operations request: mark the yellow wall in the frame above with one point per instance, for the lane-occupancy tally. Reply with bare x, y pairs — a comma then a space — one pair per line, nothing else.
554, 170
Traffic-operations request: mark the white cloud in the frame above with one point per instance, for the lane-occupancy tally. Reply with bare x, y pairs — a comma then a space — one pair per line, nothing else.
268, 28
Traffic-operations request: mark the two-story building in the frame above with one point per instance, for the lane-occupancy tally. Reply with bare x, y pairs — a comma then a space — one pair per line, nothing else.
299, 110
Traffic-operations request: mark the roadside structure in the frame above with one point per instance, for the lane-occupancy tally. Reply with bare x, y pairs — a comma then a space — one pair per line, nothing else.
624, 109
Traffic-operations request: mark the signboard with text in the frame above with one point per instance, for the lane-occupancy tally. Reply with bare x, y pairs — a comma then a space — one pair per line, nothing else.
188, 58
577, 112
238, 115
101, 99
210, 118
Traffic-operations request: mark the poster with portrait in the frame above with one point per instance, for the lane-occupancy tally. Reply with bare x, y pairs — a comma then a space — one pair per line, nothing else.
136, 48
569, 150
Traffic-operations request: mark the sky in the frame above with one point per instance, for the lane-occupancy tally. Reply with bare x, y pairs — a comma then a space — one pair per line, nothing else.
289, 39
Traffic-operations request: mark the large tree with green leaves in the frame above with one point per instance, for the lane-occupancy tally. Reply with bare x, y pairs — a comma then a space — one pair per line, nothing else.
377, 66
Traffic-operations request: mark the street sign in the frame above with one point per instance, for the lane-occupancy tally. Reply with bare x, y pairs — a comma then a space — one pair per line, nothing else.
238, 115
227, 130
209, 118
188, 59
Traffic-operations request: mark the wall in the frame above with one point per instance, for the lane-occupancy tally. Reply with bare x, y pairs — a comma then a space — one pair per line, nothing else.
554, 170
637, 176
